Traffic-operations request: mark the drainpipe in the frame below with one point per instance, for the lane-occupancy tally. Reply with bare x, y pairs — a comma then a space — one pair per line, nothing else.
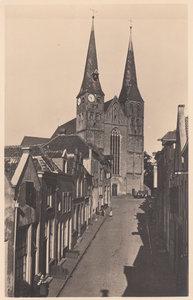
14, 242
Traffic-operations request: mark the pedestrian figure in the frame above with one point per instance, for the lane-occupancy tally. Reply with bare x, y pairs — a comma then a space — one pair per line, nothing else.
43, 287
105, 293
36, 286
111, 213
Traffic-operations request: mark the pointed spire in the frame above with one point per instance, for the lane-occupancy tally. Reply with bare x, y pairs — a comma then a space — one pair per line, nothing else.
91, 83
129, 89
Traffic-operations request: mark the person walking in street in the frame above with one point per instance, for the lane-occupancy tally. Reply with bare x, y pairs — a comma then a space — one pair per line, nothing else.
111, 212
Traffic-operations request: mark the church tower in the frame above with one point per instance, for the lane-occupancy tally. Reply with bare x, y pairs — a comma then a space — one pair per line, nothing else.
133, 106
90, 100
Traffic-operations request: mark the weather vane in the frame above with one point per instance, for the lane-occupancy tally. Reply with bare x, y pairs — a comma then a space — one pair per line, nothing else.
130, 23
93, 12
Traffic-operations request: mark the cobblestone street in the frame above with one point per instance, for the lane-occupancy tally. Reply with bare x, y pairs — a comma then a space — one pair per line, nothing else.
119, 261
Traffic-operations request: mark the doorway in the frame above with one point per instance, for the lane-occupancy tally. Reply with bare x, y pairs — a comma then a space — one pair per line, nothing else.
114, 189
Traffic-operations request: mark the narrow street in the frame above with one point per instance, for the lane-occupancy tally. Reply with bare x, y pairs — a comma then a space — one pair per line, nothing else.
101, 270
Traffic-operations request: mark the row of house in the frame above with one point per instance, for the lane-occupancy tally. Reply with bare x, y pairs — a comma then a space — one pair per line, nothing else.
172, 198
52, 192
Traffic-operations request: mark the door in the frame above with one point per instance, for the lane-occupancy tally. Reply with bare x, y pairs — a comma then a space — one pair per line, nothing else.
114, 189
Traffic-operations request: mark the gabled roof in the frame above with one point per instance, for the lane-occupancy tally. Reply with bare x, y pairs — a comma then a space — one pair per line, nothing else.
32, 140
20, 167
10, 165
41, 161
67, 128
56, 146
170, 136
106, 105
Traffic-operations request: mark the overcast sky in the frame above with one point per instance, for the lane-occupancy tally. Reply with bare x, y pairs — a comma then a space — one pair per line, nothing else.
46, 48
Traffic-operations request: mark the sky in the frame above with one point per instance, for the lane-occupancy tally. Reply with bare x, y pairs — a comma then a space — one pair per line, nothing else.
45, 54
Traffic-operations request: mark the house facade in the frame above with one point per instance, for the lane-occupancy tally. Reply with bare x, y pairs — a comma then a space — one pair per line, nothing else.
38, 227
172, 198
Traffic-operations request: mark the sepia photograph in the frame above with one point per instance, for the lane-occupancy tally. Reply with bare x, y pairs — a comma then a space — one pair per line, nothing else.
96, 150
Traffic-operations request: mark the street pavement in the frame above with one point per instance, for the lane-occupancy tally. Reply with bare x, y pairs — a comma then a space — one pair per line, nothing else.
101, 271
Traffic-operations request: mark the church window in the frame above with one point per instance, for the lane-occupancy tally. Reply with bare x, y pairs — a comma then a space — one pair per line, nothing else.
98, 117
131, 108
132, 121
115, 112
98, 99
138, 109
91, 116
115, 150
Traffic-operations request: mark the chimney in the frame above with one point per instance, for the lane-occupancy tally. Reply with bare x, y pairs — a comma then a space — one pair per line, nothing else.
181, 126
26, 150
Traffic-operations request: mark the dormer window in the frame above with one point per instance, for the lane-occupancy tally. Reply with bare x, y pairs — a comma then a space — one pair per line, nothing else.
95, 75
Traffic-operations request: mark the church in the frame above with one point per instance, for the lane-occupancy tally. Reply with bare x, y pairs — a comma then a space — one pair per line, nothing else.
115, 127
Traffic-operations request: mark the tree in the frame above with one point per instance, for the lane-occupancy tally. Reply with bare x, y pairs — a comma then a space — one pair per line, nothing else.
148, 170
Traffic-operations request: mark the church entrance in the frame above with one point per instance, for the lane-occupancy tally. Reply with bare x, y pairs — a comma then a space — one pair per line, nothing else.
114, 189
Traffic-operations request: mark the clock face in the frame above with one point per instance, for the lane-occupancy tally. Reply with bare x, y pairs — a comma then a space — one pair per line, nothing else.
91, 98
78, 101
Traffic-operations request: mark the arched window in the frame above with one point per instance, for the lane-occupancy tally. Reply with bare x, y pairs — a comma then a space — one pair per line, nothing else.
138, 109
115, 112
115, 150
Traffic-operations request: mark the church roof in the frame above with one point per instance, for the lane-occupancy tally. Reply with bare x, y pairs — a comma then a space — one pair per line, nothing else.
32, 140
130, 89
67, 128
56, 146
91, 83
70, 126
106, 105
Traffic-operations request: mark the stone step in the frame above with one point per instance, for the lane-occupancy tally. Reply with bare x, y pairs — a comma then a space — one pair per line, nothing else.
72, 254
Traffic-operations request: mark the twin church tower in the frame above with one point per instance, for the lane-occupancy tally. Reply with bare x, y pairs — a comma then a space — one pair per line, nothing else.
115, 126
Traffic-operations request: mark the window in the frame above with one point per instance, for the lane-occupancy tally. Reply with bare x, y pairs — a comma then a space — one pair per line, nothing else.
51, 248
131, 108
91, 116
49, 197
59, 206
101, 174
77, 187
65, 166
115, 112
115, 150
67, 202
81, 188
138, 109
75, 219
21, 254
98, 117
29, 193
63, 202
